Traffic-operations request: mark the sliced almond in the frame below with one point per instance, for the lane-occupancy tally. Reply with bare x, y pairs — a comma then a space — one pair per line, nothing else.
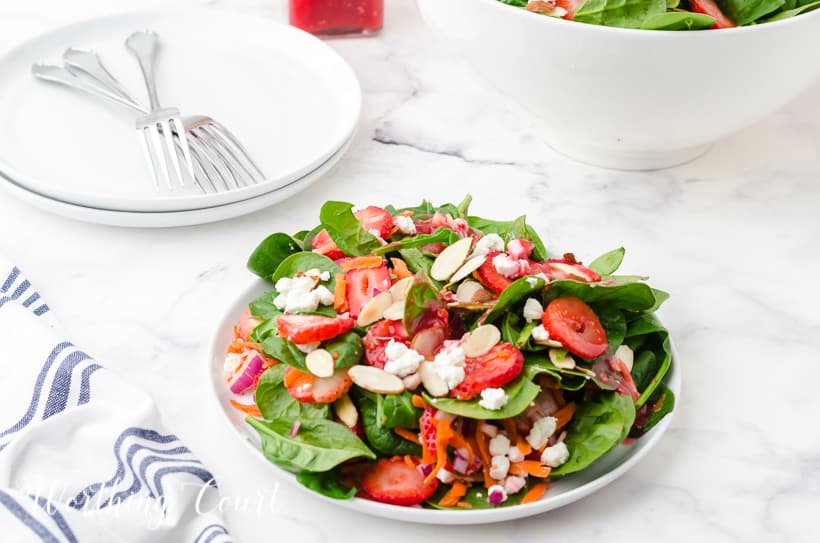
320, 363
374, 309
346, 411
481, 340
451, 259
470, 292
625, 354
549, 343
401, 287
469, 267
395, 312
562, 359
426, 342
434, 384
376, 380
412, 381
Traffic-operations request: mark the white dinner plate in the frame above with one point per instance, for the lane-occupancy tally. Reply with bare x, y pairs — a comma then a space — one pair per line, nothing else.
561, 492
163, 219
287, 96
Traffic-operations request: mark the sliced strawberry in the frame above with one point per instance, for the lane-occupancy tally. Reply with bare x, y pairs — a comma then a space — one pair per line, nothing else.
520, 248
490, 276
570, 5
363, 285
377, 338
311, 328
324, 245
376, 218
566, 269
393, 481
246, 324
427, 430
709, 7
495, 369
573, 323
308, 388
433, 248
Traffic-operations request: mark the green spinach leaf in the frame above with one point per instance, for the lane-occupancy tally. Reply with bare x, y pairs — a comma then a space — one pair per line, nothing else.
661, 404
620, 13
346, 230
301, 262
608, 263
502, 228
379, 436
521, 393
535, 364
346, 349
326, 483
397, 411
441, 235
284, 351
788, 13
626, 296
262, 307
422, 299
515, 292
744, 12
677, 20
476, 496
654, 357
275, 402
270, 253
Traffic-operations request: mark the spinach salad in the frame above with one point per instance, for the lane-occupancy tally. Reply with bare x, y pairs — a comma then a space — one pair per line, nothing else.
424, 356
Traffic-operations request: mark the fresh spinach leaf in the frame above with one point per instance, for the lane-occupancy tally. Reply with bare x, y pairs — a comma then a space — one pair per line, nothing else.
270, 253
346, 230
788, 13
307, 241
441, 235
476, 496
464, 206
502, 228
614, 323
262, 307
300, 237
326, 483
346, 349
265, 329
381, 438
677, 20
284, 351
744, 12
620, 13
520, 392
661, 404
598, 426
422, 300
517, 3
608, 263
304, 261
626, 296
654, 357
397, 411
319, 444
535, 364
275, 402
515, 292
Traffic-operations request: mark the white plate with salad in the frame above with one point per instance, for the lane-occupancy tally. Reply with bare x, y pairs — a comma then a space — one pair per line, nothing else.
426, 365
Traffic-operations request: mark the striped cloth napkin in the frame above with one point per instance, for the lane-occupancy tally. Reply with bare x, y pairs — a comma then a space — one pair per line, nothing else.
83, 455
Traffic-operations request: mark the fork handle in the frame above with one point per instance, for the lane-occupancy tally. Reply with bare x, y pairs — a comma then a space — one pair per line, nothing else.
89, 64
143, 45
58, 74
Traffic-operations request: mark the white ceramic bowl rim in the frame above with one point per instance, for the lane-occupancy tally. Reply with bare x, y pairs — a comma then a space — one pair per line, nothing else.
654, 34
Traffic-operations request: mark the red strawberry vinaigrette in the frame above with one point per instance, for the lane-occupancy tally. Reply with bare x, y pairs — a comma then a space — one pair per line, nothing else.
334, 17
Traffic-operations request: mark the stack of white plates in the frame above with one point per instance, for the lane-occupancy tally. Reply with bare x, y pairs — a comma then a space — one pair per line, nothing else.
291, 100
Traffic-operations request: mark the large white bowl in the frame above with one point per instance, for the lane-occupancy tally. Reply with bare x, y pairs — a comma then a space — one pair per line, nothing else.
631, 99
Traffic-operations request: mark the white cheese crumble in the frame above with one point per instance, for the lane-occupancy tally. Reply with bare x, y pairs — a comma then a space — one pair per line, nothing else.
513, 484
515, 454
539, 333
445, 476
489, 243
405, 224
499, 445
499, 466
401, 360
505, 265
555, 455
301, 293
533, 310
541, 432
532, 281
232, 363
449, 365
493, 398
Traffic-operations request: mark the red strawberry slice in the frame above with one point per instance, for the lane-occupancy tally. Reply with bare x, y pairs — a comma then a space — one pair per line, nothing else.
427, 430
490, 276
393, 481
246, 324
308, 388
376, 218
363, 285
377, 338
572, 322
311, 328
566, 269
495, 369
324, 245
709, 7
520, 248
570, 5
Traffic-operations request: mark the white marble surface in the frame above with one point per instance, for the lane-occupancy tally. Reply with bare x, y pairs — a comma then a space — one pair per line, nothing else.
733, 236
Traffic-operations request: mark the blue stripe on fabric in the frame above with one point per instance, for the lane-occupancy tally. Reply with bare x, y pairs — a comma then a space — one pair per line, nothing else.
29, 521
10, 279
85, 384
41, 310
216, 531
58, 518
203, 474
3, 300
146, 463
61, 384
21, 288
31, 299
38, 388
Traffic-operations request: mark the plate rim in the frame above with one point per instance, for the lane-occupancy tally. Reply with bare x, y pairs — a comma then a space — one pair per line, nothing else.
414, 515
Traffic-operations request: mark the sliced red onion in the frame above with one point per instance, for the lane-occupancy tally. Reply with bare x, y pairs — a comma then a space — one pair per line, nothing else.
425, 469
460, 464
496, 495
294, 429
248, 374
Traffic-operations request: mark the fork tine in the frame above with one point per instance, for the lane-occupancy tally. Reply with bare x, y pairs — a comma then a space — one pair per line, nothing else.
182, 137
171, 151
217, 160
214, 165
243, 153
207, 169
143, 139
158, 154
228, 156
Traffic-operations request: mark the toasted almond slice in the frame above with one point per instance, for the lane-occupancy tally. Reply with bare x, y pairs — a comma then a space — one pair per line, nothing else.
451, 259
434, 384
376, 380
550, 343
320, 363
412, 381
626, 355
469, 267
401, 287
346, 411
481, 340
395, 312
562, 359
374, 309
470, 292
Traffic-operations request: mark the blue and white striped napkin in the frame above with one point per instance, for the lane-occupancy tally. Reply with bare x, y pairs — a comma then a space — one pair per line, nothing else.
84, 457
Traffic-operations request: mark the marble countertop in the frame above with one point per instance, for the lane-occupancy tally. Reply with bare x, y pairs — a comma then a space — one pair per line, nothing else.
732, 236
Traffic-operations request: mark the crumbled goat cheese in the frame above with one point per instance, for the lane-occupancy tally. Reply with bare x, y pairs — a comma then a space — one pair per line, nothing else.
499, 466
489, 243
539, 333
401, 360
533, 310
515, 454
499, 445
541, 431
449, 365
405, 224
493, 398
301, 293
555, 455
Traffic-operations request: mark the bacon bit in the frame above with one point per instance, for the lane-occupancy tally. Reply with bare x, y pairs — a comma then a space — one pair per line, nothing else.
400, 268
564, 415
444, 432
534, 494
418, 401
570, 257
482, 441
530, 467
251, 410
454, 495
362, 262
340, 294
409, 435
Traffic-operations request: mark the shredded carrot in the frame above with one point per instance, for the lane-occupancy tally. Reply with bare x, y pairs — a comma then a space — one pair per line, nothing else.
340, 294
409, 435
362, 262
454, 495
409, 461
239, 345
534, 493
400, 268
515, 437
484, 453
459, 442
530, 467
418, 401
444, 433
464, 505
564, 415
251, 410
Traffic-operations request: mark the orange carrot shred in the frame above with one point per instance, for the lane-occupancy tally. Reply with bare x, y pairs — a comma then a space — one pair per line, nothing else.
409, 435
362, 262
418, 401
464, 505
564, 415
444, 433
400, 268
530, 467
534, 493
340, 294
459, 442
251, 410
454, 495
409, 461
